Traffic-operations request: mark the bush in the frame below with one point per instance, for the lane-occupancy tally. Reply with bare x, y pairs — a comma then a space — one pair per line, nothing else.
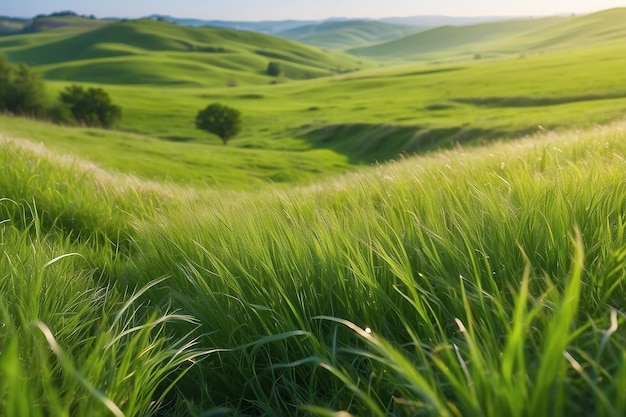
220, 120
92, 107
61, 114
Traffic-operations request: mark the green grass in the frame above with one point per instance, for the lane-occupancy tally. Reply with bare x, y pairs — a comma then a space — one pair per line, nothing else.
182, 163
310, 129
152, 271
491, 280
69, 341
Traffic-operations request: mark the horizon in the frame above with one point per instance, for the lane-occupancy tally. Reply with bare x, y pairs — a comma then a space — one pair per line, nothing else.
250, 10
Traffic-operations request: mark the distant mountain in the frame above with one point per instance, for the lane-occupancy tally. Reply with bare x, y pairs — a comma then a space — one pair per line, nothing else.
57, 21
265, 26
347, 34
276, 26
12, 24
436, 20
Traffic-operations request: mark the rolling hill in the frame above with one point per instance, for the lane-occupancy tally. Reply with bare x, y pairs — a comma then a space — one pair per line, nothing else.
591, 30
364, 117
504, 37
347, 34
151, 52
301, 130
451, 41
264, 26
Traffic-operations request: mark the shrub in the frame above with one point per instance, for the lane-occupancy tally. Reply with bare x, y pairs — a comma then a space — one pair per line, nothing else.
220, 120
60, 113
92, 107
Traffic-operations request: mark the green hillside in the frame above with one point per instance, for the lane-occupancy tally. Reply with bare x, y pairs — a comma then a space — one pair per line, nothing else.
347, 34
297, 132
503, 38
150, 52
453, 41
599, 28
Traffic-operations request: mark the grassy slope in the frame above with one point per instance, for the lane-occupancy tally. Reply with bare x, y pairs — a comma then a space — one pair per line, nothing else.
347, 34
149, 52
467, 262
509, 37
598, 28
445, 41
183, 163
305, 129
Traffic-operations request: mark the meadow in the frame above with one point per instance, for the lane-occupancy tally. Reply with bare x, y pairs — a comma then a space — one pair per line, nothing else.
299, 130
437, 239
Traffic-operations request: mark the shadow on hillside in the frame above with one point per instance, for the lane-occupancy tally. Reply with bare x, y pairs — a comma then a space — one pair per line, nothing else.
536, 101
365, 143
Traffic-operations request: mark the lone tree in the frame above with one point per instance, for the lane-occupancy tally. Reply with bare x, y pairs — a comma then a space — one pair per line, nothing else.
92, 107
274, 69
220, 120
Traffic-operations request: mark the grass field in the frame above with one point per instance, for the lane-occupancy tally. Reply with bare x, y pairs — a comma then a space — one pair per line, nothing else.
298, 131
449, 259
373, 244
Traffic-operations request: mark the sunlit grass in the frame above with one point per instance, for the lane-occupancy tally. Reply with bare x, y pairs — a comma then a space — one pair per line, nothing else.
473, 281
490, 281
70, 343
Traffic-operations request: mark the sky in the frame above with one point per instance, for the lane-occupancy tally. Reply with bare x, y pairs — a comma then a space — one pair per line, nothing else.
304, 9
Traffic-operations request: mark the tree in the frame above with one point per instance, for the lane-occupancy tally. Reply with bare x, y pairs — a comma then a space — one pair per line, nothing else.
220, 120
26, 92
5, 80
274, 69
92, 107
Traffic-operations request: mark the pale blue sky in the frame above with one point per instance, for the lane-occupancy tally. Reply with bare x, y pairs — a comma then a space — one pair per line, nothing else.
304, 9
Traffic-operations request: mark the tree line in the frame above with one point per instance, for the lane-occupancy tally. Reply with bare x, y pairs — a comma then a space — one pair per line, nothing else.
23, 93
